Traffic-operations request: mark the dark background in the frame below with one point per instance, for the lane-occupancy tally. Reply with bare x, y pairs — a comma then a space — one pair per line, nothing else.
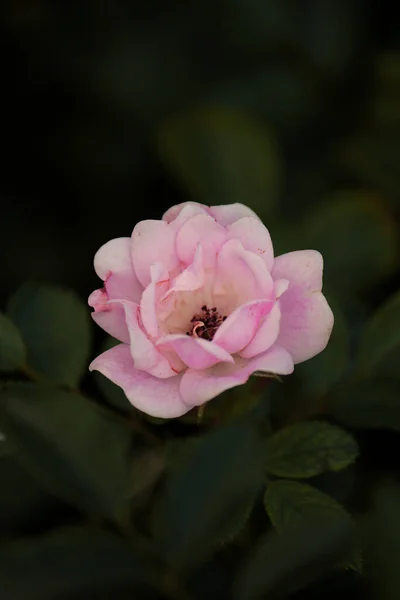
87, 84
87, 87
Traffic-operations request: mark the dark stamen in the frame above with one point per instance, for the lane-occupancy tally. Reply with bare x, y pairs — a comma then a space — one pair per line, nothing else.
205, 325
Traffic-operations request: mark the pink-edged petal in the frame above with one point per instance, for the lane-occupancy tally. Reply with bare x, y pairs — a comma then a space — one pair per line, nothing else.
152, 241
191, 208
204, 230
146, 357
226, 214
154, 291
197, 387
302, 268
241, 276
306, 323
196, 353
266, 334
113, 264
156, 397
241, 325
254, 236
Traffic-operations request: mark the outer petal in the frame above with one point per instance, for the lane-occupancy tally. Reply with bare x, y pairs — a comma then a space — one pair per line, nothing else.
303, 268
254, 236
241, 276
266, 335
307, 320
226, 214
152, 241
241, 325
113, 264
306, 323
196, 353
146, 356
197, 387
203, 230
155, 397
195, 208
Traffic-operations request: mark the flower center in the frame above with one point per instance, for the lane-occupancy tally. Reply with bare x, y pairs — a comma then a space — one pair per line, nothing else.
205, 324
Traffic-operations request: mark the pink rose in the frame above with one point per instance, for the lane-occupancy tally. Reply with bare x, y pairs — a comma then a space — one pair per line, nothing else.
200, 303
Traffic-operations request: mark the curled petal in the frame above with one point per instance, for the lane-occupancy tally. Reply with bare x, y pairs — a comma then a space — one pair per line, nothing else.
241, 325
197, 387
113, 264
203, 230
156, 397
192, 278
226, 214
191, 209
254, 236
152, 241
196, 353
146, 357
148, 304
266, 334
241, 275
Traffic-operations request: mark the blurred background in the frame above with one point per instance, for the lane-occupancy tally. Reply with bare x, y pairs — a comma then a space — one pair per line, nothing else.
113, 111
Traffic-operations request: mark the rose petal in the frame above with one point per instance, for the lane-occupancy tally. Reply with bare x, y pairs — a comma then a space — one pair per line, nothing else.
241, 325
113, 322
306, 323
191, 209
148, 304
156, 397
197, 387
113, 264
266, 334
192, 278
280, 287
226, 214
241, 276
254, 236
152, 241
196, 353
303, 268
146, 357
203, 230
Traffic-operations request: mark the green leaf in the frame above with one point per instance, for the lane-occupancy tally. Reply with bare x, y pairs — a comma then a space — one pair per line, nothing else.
380, 344
70, 446
72, 563
357, 237
54, 324
300, 555
112, 393
12, 348
291, 502
208, 500
329, 366
310, 448
222, 156
369, 404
